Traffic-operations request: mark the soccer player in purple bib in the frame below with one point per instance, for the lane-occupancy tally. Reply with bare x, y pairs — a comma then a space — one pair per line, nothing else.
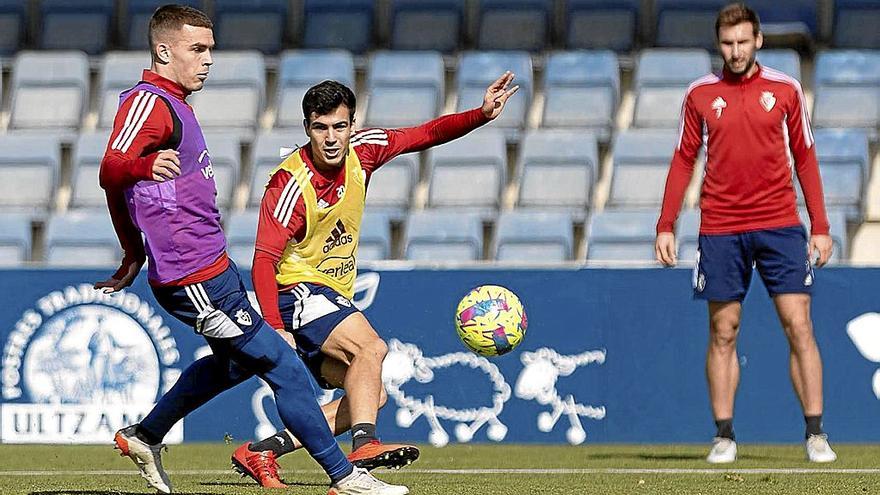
159, 184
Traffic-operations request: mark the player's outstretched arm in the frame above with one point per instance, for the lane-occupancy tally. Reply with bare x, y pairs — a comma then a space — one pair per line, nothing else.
497, 94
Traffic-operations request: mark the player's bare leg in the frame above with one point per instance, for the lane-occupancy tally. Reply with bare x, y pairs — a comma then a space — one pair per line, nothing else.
806, 370
722, 372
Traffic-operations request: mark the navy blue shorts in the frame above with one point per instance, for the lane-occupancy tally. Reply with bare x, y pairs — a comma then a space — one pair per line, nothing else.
310, 312
725, 263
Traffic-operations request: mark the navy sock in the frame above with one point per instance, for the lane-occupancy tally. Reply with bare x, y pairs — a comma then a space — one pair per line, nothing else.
279, 443
814, 425
725, 429
362, 434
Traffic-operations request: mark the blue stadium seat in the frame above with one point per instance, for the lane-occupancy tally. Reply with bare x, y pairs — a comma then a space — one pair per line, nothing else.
224, 149
15, 239
468, 172
641, 163
392, 185
847, 89
662, 79
29, 165
119, 71
837, 217
404, 88
477, 70
855, 24
82, 239
241, 234
514, 24
844, 164
791, 17
87, 155
49, 89
13, 23
266, 156
375, 236
234, 93
81, 25
536, 237
427, 24
346, 24
444, 235
688, 235
608, 24
134, 26
581, 89
301, 69
687, 23
251, 24
783, 60
622, 235
557, 169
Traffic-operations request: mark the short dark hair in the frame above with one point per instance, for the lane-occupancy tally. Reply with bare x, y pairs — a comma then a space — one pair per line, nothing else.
173, 17
736, 13
325, 97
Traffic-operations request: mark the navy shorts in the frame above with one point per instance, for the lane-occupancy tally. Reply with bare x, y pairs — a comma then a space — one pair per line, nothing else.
310, 312
725, 263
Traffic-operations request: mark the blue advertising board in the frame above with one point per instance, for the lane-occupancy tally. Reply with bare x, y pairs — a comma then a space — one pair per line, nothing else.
611, 355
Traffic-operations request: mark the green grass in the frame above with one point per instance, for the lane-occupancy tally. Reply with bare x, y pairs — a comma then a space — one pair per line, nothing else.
205, 471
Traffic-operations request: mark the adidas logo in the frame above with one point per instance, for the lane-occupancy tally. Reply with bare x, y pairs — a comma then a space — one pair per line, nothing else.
338, 237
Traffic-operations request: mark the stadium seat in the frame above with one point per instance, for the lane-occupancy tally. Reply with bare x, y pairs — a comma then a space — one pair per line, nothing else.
688, 235
581, 89
13, 23
557, 168
608, 24
375, 237
404, 88
266, 156
791, 17
536, 237
346, 24
514, 24
29, 165
224, 149
81, 25
444, 235
844, 164
622, 235
783, 60
241, 234
641, 163
119, 71
847, 89
234, 92
392, 185
49, 89
662, 78
15, 239
294, 79
864, 245
134, 26
837, 217
855, 24
687, 23
477, 70
87, 155
427, 24
82, 239
468, 172
251, 24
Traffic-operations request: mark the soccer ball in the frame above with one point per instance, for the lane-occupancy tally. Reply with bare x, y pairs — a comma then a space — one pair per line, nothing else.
490, 320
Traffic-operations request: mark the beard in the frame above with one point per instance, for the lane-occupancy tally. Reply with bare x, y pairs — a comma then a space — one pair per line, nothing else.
745, 70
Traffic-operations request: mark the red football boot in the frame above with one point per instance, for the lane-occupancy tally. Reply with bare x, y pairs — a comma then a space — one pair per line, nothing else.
261, 466
377, 454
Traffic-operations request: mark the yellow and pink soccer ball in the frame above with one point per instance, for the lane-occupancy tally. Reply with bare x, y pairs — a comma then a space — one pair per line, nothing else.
491, 320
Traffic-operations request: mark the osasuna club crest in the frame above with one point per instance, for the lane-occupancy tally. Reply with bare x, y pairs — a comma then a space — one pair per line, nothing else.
768, 101
718, 104
81, 364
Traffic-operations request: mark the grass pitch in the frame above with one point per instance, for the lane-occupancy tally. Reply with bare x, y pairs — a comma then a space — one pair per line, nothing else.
202, 469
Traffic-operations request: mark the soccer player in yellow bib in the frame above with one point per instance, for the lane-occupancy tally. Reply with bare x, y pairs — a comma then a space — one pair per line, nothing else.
306, 262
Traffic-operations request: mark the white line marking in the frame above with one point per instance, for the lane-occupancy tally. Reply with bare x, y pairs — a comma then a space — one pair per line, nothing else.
200, 472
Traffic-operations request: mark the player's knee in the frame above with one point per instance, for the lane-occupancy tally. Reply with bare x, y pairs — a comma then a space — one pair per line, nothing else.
799, 332
374, 349
724, 333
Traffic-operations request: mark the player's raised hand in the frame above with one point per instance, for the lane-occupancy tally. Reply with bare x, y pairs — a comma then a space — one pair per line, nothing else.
166, 166
664, 249
497, 94
824, 246
123, 277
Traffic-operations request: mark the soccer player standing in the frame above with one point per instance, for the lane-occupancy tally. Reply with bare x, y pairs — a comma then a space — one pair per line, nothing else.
159, 183
756, 124
306, 258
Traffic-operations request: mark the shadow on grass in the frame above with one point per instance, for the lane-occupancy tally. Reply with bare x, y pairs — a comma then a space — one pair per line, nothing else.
251, 484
